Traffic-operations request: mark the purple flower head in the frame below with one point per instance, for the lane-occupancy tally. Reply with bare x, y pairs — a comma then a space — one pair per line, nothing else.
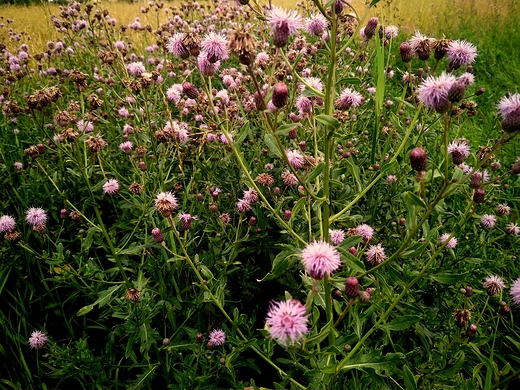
38, 339
111, 187
215, 46
119, 45
287, 321
217, 337
515, 291
488, 220
207, 68
165, 203
35, 216
136, 68
243, 206
365, 231
508, 105
289, 178
303, 104
174, 93
126, 146
7, 223
320, 258
251, 195
452, 243
467, 79
433, 92
186, 220
176, 47
349, 98
336, 236
376, 254
85, 126
460, 53
391, 32
512, 229
295, 158
313, 82
279, 18
459, 151
316, 24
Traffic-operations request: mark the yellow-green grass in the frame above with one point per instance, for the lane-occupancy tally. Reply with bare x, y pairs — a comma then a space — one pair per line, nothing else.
429, 16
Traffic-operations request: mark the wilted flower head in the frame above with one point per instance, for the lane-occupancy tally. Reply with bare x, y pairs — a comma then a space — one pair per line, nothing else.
433, 92
503, 209
251, 195
376, 254
289, 178
421, 45
512, 229
287, 321
460, 53
452, 243
38, 339
7, 223
35, 216
515, 291
217, 337
165, 203
320, 258
494, 285
111, 187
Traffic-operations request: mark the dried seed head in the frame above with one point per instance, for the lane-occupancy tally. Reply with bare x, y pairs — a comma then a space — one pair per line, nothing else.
242, 44
70, 134
136, 188
95, 144
265, 179
133, 295
461, 317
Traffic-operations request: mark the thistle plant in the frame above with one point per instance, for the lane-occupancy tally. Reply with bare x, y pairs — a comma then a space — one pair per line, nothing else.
244, 190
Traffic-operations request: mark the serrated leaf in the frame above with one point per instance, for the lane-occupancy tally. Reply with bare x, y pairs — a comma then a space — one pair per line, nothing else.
280, 264
85, 310
271, 145
447, 278
402, 323
328, 121
324, 332
104, 297
453, 369
148, 336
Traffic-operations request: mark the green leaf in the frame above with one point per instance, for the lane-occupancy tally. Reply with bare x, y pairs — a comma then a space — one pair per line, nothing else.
413, 199
315, 173
85, 310
324, 332
328, 121
104, 297
285, 129
244, 131
148, 336
349, 80
374, 2
382, 365
447, 278
409, 380
401, 323
271, 145
453, 369
280, 264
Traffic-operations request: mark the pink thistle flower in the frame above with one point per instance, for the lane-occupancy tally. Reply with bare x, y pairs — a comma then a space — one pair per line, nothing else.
289, 179
503, 209
433, 92
452, 243
225, 218
512, 229
174, 93
295, 158
126, 147
349, 98
176, 47
467, 79
365, 231
186, 220
7, 223
85, 126
391, 32
316, 24
515, 291
206, 67
243, 206
215, 46
123, 111
111, 187
38, 339
494, 285
488, 221
35, 216
320, 258
460, 53
119, 45
217, 337
280, 18
337, 236
303, 104
391, 179
459, 151
509, 105
376, 254
136, 68
313, 82
287, 321
251, 195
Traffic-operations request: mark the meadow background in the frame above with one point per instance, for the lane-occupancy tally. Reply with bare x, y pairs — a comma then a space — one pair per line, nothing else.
210, 274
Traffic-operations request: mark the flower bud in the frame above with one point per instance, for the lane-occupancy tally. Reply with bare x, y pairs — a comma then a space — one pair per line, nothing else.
364, 296
469, 291
352, 287
371, 27
190, 90
456, 92
281, 34
157, 235
471, 331
478, 196
418, 159
280, 94
353, 251
406, 52
287, 215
